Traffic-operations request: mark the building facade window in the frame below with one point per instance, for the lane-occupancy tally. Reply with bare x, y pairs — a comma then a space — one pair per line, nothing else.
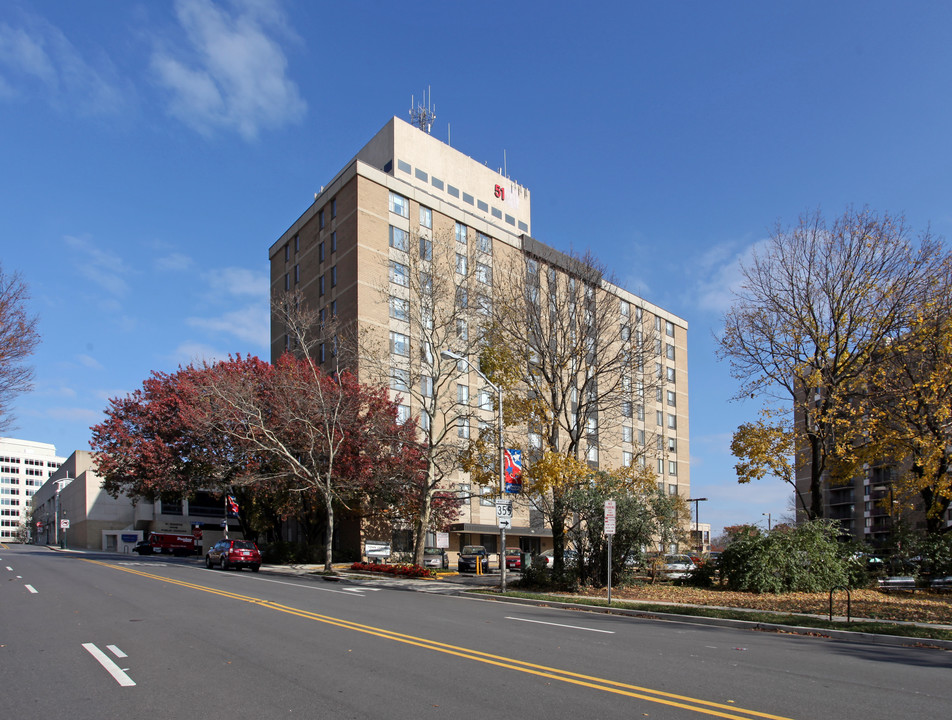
398, 239
484, 243
399, 205
399, 309
426, 249
399, 273
334, 276
460, 233
399, 344
399, 379
426, 217
461, 264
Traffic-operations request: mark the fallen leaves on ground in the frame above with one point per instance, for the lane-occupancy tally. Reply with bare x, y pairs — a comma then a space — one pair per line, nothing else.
872, 604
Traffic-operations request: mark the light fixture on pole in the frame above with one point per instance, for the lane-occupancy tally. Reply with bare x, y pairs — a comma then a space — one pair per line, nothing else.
767, 515
449, 355
697, 521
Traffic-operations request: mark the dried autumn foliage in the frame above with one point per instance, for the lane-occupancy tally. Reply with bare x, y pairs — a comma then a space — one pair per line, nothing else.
817, 307
18, 339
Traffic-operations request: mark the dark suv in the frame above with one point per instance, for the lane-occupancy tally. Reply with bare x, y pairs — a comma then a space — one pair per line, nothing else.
472, 557
234, 554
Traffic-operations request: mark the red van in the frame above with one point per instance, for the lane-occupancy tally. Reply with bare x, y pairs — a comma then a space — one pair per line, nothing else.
169, 543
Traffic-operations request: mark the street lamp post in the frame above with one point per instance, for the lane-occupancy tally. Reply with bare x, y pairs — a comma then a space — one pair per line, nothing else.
697, 522
449, 355
767, 515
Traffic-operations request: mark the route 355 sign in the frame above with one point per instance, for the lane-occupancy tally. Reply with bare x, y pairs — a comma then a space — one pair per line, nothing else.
504, 513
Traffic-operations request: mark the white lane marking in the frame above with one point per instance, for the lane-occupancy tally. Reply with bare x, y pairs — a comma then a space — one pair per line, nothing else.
116, 651
111, 667
32, 589
9, 568
571, 627
308, 587
19, 577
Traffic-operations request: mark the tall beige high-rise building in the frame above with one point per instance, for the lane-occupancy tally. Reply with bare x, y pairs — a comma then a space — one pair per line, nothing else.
355, 255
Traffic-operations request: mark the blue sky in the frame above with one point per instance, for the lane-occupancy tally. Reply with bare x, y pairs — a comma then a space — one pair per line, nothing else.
150, 153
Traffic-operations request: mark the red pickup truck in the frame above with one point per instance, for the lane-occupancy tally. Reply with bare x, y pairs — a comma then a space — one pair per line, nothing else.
170, 543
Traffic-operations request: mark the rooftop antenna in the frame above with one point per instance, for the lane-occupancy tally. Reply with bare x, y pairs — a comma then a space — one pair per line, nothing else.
423, 115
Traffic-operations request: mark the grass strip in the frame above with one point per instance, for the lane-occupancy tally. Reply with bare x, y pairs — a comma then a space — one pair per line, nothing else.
877, 627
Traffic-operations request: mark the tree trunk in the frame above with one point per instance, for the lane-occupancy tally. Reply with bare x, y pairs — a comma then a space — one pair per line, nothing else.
816, 485
329, 530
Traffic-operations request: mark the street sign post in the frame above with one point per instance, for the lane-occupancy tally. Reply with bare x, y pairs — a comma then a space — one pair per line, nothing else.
609, 532
504, 515
609, 517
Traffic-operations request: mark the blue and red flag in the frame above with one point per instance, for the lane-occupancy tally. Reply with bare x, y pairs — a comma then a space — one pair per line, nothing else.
512, 466
231, 505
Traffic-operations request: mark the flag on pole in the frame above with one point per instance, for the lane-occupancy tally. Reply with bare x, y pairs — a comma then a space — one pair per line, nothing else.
513, 470
231, 505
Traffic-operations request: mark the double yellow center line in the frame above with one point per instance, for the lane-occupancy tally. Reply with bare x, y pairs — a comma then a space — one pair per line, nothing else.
704, 707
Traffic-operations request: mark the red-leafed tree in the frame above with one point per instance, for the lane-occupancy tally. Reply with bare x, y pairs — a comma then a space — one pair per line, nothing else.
319, 434
151, 443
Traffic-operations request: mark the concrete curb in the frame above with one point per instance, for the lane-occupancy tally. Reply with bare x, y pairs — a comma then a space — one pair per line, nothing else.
869, 638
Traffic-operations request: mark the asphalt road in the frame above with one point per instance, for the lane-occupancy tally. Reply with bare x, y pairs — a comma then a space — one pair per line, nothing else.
108, 636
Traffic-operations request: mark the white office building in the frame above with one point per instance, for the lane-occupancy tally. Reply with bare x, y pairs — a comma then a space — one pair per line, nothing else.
24, 467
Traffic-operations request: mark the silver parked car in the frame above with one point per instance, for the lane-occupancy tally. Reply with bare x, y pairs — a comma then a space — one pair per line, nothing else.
435, 558
677, 567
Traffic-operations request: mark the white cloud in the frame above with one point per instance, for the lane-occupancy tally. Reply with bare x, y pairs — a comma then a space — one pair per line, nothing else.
107, 395
83, 415
55, 391
37, 58
231, 72
250, 324
174, 262
104, 269
89, 362
718, 275
191, 353
239, 282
